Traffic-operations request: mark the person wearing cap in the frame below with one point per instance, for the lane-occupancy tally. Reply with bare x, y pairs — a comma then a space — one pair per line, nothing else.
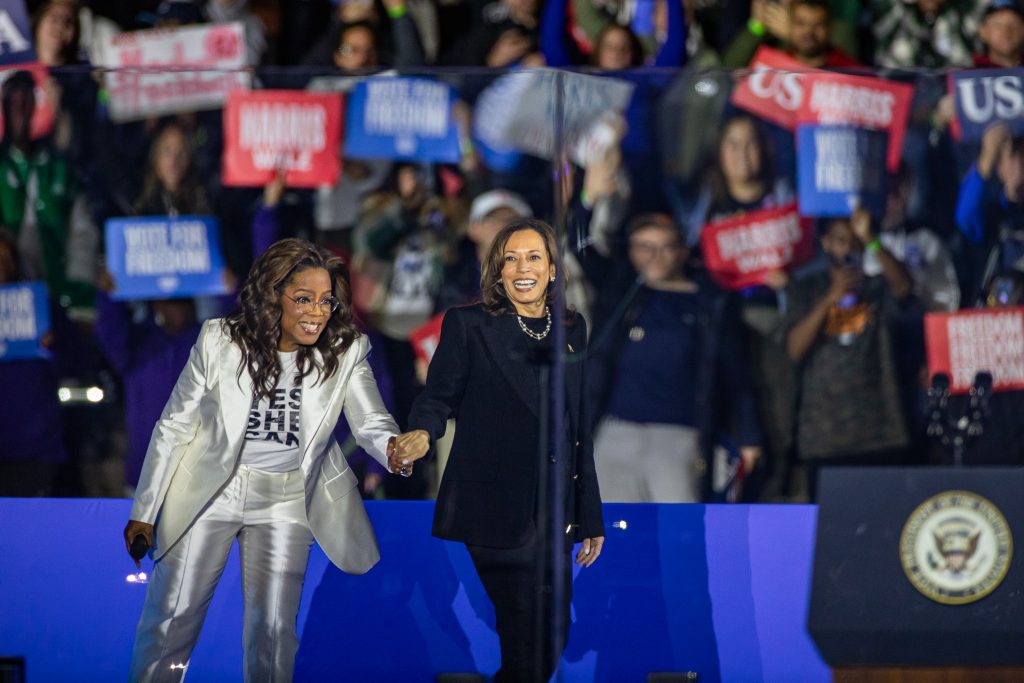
1002, 36
489, 213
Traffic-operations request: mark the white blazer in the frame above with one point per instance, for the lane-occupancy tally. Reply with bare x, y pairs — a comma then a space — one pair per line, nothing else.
197, 443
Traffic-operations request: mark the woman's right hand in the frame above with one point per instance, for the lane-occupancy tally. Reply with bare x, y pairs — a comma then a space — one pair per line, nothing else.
409, 447
133, 529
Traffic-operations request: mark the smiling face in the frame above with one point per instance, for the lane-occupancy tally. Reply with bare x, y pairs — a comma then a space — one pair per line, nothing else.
300, 328
526, 272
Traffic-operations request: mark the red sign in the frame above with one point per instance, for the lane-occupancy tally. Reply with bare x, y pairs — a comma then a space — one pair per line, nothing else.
426, 337
985, 340
265, 130
775, 89
860, 101
742, 251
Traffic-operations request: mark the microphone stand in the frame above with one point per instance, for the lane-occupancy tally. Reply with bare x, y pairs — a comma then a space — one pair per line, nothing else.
955, 433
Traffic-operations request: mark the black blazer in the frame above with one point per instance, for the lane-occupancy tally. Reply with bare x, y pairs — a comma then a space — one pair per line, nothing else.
480, 376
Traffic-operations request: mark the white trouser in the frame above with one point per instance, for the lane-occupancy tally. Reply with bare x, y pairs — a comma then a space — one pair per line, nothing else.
266, 511
647, 462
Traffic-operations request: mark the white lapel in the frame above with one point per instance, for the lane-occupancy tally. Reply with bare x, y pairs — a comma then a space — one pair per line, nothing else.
235, 394
317, 399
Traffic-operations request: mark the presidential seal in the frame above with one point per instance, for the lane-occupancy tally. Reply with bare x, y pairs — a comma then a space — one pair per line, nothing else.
956, 547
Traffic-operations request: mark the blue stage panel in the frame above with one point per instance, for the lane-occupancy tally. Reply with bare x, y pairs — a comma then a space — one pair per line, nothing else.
721, 590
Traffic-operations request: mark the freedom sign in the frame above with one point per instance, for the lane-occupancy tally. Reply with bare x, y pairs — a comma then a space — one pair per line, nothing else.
518, 111
15, 33
267, 130
402, 118
159, 257
840, 168
168, 71
985, 96
985, 340
742, 251
775, 89
859, 101
24, 319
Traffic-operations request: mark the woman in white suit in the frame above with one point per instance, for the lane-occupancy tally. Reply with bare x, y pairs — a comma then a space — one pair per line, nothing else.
244, 450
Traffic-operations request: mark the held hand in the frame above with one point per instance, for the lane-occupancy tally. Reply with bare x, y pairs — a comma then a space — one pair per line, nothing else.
994, 140
776, 20
407, 448
860, 223
135, 528
590, 551
749, 455
274, 190
844, 280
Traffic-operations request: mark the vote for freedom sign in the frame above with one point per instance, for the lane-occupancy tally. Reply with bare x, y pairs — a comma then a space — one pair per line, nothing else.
985, 340
24, 319
402, 118
742, 251
267, 130
158, 257
840, 168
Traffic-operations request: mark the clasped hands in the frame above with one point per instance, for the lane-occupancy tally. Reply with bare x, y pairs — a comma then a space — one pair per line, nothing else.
405, 449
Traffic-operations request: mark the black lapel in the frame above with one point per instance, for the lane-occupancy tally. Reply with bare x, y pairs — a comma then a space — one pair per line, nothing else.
574, 374
507, 353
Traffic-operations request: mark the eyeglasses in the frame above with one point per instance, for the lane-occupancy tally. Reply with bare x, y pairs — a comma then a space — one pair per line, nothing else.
306, 305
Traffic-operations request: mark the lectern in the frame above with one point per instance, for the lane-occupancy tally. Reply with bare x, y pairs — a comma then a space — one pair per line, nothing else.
917, 576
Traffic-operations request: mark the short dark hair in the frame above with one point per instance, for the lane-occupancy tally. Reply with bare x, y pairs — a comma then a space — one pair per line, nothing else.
653, 220
813, 4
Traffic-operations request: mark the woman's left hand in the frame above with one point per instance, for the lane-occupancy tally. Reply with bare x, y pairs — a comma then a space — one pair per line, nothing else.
590, 551
407, 448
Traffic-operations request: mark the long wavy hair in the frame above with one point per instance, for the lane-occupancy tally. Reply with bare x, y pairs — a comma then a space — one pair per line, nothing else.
256, 325
189, 198
492, 289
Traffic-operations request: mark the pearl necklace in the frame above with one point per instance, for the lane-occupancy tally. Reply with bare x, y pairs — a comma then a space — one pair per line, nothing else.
536, 335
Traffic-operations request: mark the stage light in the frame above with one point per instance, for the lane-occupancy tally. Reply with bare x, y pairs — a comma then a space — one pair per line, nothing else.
621, 524
64, 394
94, 394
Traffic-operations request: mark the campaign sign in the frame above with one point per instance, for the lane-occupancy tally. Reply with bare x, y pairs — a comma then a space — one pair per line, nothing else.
158, 257
985, 96
860, 101
521, 111
42, 116
15, 33
774, 90
426, 337
168, 71
24, 319
984, 340
840, 168
402, 118
267, 130
741, 251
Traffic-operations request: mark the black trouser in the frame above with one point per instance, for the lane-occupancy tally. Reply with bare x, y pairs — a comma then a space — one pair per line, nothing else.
509, 576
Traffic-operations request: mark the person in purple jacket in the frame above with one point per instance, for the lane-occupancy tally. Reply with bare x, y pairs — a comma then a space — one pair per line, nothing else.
32, 449
148, 355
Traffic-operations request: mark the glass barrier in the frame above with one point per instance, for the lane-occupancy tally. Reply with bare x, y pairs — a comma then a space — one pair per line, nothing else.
771, 261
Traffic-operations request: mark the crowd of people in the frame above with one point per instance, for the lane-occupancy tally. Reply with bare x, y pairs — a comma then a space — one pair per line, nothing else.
695, 389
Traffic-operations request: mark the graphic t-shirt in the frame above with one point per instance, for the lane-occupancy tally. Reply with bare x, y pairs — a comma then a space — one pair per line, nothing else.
850, 400
272, 433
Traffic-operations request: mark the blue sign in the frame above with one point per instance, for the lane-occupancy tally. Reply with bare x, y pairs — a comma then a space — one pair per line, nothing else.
840, 168
24, 319
158, 257
15, 33
401, 118
985, 96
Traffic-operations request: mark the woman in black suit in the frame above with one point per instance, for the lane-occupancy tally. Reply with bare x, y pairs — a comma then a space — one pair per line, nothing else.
481, 374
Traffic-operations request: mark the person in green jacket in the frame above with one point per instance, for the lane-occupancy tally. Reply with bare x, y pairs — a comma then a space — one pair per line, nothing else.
41, 206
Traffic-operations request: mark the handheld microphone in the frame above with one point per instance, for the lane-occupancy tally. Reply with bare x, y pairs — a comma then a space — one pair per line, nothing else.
139, 547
